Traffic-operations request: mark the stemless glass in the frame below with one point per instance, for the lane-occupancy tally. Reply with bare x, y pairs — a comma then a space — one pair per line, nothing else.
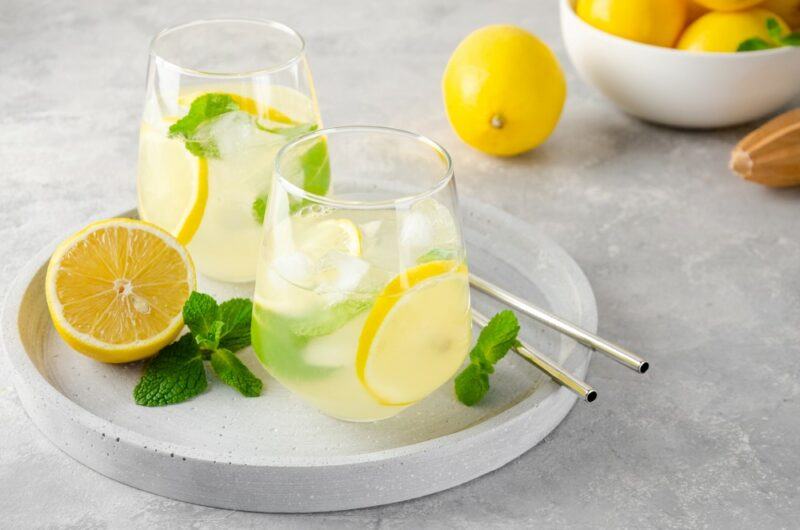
223, 96
362, 298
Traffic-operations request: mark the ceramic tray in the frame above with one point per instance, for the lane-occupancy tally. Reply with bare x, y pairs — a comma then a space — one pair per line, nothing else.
275, 453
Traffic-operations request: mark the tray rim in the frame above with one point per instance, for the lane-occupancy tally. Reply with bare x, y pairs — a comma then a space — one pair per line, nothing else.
31, 384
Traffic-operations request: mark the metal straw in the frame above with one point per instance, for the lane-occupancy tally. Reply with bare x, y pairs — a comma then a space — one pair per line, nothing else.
544, 364
618, 353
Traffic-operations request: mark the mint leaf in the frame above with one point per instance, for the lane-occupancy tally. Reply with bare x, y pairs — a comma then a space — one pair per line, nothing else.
316, 168
499, 336
210, 341
234, 373
754, 44
203, 109
281, 350
437, 254
471, 385
175, 375
774, 29
330, 319
235, 316
200, 312
260, 208
792, 39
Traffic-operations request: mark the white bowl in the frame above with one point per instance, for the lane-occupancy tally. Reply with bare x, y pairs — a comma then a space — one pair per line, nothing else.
679, 88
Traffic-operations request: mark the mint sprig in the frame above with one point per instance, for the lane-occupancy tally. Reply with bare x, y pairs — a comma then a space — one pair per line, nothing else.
216, 332
202, 110
499, 336
776, 35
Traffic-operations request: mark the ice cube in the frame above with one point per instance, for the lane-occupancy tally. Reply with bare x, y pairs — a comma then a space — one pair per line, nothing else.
296, 268
232, 133
338, 272
427, 225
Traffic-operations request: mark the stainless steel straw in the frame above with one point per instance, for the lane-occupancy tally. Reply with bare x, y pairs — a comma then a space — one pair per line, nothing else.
544, 364
619, 354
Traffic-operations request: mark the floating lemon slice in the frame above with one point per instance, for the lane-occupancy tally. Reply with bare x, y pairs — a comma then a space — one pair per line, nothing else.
341, 235
417, 333
173, 183
115, 290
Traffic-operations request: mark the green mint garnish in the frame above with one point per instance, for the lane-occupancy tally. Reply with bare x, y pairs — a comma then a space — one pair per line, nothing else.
175, 375
260, 208
437, 254
330, 319
225, 326
216, 332
754, 44
316, 168
499, 336
774, 29
203, 109
775, 33
234, 373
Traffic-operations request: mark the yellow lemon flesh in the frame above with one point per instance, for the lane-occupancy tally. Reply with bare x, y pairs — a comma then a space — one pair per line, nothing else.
656, 22
115, 290
788, 10
417, 333
728, 5
176, 203
503, 90
724, 31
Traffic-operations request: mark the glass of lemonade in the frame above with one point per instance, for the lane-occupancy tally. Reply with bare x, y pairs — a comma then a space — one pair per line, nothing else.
223, 96
362, 300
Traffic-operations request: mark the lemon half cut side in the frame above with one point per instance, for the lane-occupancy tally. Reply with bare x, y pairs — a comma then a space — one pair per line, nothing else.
116, 289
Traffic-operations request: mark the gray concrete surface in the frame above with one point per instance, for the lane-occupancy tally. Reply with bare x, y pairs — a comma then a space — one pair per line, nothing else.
691, 266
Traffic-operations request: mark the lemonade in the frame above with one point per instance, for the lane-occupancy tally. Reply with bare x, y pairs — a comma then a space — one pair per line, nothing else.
363, 313
209, 188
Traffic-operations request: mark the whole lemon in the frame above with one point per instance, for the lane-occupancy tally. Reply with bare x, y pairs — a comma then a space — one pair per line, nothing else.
788, 10
503, 90
657, 22
723, 31
728, 5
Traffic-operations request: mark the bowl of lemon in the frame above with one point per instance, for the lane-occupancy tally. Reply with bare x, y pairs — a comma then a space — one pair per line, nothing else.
687, 63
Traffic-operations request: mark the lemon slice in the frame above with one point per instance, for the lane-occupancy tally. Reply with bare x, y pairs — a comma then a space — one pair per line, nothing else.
338, 235
115, 290
417, 333
173, 183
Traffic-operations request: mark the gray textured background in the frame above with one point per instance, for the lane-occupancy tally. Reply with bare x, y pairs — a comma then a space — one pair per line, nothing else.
692, 267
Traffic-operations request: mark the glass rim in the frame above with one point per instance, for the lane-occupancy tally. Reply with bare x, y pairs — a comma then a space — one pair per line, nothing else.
272, 24
324, 200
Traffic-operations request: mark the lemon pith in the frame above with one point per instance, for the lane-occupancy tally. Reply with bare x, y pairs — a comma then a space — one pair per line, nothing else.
416, 334
115, 289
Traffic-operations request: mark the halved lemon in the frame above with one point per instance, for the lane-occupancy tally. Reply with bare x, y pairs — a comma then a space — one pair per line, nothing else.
173, 183
116, 289
417, 333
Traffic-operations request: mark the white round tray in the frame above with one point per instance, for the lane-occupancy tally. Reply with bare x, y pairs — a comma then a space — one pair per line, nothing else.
275, 453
